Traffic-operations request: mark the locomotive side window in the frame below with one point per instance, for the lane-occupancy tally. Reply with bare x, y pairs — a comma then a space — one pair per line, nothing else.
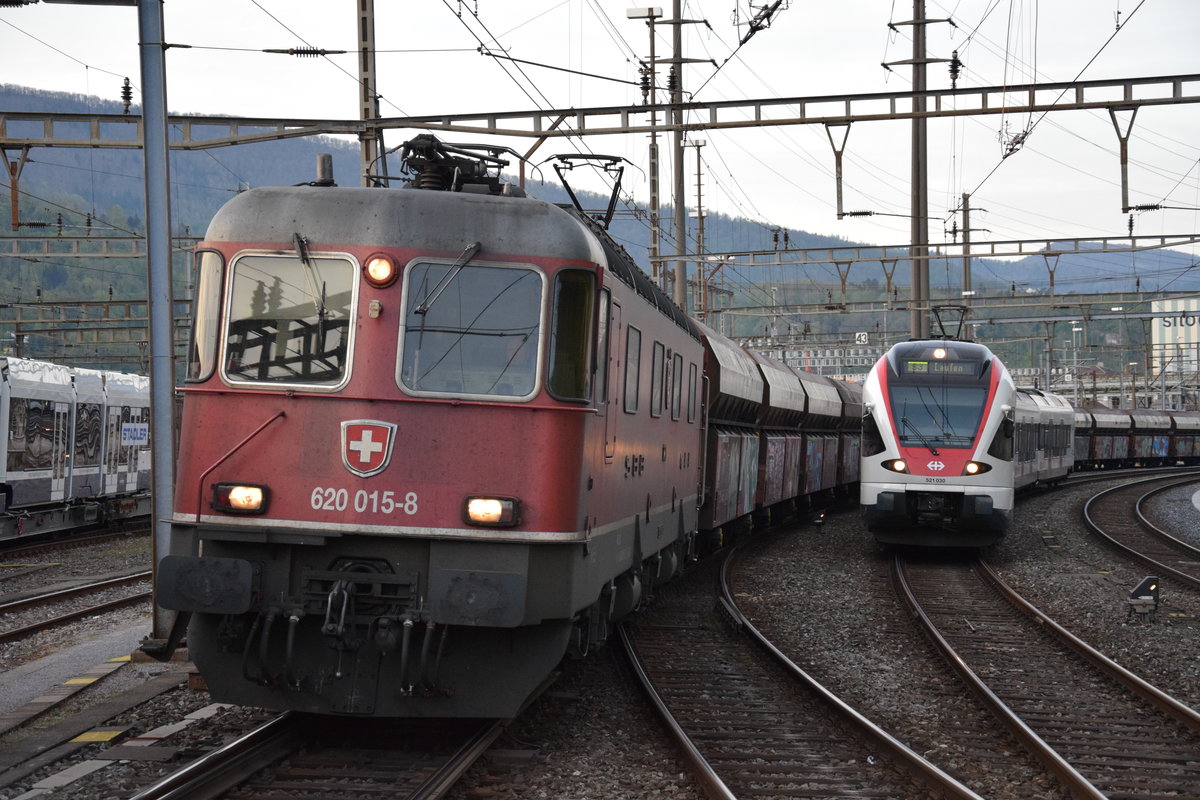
691, 417
474, 330
206, 314
289, 319
872, 439
633, 368
656, 380
602, 350
1002, 445
677, 381
569, 368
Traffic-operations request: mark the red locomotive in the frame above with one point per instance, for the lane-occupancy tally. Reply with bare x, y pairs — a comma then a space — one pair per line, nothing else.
434, 437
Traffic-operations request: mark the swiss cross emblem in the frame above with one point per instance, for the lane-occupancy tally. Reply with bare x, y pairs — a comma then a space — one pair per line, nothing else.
936, 466
367, 446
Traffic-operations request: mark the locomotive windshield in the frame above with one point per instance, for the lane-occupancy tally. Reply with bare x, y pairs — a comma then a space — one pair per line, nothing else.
472, 330
933, 415
289, 319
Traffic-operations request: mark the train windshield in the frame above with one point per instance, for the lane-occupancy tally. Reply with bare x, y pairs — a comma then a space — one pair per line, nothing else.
471, 330
937, 416
289, 319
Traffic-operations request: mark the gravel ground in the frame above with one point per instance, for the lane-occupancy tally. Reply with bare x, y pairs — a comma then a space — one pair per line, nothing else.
593, 735
70, 566
823, 596
1084, 586
812, 592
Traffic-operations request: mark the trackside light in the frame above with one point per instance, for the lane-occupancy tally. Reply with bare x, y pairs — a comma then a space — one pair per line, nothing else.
240, 498
380, 271
498, 512
1143, 600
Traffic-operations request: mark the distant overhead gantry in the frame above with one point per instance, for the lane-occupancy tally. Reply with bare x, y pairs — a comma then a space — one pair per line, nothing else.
24, 129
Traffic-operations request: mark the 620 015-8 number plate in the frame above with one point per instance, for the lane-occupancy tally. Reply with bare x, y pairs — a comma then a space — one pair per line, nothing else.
327, 498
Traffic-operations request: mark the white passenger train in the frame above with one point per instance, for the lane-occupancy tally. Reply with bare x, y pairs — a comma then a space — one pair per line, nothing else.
78, 446
947, 439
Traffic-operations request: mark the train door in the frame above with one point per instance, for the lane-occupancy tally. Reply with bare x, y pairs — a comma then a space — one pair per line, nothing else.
61, 478
611, 364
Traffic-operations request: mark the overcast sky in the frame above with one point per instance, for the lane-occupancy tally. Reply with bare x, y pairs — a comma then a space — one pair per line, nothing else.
1063, 181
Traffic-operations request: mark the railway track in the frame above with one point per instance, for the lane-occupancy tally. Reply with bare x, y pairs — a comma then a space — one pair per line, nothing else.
41, 601
296, 755
752, 722
1099, 729
1116, 516
88, 536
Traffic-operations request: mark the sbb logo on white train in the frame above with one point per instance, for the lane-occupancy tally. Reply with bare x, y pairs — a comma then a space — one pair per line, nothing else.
936, 466
367, 446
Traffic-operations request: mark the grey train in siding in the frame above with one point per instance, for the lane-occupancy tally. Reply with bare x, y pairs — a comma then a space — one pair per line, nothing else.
77, 446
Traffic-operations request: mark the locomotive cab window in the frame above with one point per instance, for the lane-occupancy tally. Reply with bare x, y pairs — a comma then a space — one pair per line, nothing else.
202, 352
569, 368
476, 331
937, 397
289, 319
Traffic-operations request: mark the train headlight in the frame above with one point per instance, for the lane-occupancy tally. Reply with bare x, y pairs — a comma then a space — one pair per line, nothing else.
976, 468
380, 271
497, 512
896, 465
240, 498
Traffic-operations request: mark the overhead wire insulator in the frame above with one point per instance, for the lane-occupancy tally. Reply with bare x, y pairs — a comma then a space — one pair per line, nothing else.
127, 95
955, 69
305, 52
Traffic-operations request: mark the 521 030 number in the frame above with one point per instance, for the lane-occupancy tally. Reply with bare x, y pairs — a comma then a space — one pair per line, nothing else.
326, 498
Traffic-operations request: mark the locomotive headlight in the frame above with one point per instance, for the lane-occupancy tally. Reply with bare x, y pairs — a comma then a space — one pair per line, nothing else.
240, 498
939, 352
499, 512
976, 468
896, 465
380, 271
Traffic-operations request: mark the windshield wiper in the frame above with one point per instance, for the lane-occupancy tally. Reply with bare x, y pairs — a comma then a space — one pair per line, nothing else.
312, 281
466, 256
917, 432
